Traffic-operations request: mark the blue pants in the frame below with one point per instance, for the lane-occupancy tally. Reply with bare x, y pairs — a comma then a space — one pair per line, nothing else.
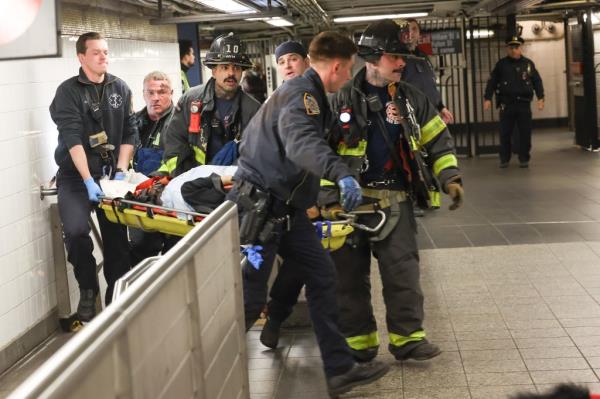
515, 114
317, 272
74, 208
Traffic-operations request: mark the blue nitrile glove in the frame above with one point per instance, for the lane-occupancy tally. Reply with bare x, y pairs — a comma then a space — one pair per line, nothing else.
350, 194
119, 176
93, 189
253, 254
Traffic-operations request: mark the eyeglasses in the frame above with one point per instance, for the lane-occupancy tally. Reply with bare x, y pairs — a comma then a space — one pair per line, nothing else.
160, 93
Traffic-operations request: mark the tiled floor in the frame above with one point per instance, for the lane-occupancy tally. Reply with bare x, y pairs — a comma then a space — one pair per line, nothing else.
512, 288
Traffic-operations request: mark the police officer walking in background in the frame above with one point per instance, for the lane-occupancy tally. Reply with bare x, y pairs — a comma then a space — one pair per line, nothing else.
393, 136
96, 133
283, 154
158, 96
514, 80
209, 116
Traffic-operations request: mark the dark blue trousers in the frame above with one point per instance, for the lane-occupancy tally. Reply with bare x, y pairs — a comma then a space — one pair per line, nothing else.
302, 246
515, 114
74, 209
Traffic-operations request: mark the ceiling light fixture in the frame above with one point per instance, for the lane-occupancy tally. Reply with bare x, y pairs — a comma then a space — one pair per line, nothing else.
378, 17
275, 21
228, 6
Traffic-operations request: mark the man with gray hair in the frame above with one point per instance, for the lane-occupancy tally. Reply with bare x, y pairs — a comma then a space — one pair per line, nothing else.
158, 96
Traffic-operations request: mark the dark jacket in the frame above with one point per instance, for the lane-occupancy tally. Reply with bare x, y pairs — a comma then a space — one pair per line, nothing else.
152, 129
283, 149
434, 142
72, 111
150, 147
185, 149
514, 80
419, 73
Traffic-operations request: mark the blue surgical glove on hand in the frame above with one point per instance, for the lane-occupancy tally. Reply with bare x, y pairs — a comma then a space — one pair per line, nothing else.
93, 189
254, 256
119, 176
350, 193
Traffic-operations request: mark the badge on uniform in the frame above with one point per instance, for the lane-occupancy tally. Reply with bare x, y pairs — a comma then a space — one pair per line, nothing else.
311, 105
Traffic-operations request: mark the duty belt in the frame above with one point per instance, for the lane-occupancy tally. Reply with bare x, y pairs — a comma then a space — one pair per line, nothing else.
385, 198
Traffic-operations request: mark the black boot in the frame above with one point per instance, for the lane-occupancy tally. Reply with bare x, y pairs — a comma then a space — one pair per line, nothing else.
87, 304
418, 350
359, 374
364, 355
269, 336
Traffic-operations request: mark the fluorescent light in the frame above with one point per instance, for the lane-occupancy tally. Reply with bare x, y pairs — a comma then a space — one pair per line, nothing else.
228, 6
378, 17
278, 21
480, 34
275, 21
595, 19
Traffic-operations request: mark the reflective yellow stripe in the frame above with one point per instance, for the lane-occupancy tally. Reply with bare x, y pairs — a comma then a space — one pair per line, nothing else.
444, 162
357, 151
184, 81
168, 166
199, 155
434, 127
362, 342
400, 340
325, 182
434, 199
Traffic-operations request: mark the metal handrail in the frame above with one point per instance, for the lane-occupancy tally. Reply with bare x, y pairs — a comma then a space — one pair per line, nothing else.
125, 281
76, 354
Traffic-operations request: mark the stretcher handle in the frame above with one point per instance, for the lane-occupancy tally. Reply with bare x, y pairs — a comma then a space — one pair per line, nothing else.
164, 208
351, 217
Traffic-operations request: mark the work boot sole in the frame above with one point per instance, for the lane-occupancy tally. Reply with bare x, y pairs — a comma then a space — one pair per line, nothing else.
334, 393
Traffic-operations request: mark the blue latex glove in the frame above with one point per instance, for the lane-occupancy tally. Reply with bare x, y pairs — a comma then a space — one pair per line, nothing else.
350, 193
93, 189
253, 255
119, 176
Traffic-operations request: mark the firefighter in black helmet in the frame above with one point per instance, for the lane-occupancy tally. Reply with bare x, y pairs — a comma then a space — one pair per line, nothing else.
394, 138
210, 118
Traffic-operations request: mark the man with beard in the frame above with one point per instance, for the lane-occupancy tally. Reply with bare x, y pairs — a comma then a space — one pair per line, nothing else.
209, 116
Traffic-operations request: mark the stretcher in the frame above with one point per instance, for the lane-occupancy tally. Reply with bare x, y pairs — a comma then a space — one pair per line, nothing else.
155, 218
150, 217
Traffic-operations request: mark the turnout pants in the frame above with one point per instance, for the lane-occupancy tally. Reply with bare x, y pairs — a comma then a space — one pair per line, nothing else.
511, 115
74, 208
398, 260
316, 270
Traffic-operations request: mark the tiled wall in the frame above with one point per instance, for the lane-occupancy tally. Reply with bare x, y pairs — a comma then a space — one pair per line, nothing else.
27, 142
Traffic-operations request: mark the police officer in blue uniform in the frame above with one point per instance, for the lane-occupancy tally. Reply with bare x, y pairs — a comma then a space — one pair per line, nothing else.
514, 80
283, 154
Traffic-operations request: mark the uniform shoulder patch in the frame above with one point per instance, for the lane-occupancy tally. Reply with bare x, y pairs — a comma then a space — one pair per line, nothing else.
311, 105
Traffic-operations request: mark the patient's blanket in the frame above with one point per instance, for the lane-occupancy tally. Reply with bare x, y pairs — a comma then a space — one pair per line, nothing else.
171, 196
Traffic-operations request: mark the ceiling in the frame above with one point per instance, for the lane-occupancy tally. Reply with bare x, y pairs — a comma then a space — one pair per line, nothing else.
311, 16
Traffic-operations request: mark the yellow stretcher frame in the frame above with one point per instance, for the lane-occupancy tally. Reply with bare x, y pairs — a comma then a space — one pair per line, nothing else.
149, 220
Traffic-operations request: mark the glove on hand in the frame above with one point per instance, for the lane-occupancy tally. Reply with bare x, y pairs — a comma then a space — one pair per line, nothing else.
456, 192
119, 176
350, 193
93, 189
254, 256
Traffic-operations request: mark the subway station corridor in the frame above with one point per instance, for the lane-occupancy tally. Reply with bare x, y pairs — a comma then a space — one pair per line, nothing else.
511, 284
